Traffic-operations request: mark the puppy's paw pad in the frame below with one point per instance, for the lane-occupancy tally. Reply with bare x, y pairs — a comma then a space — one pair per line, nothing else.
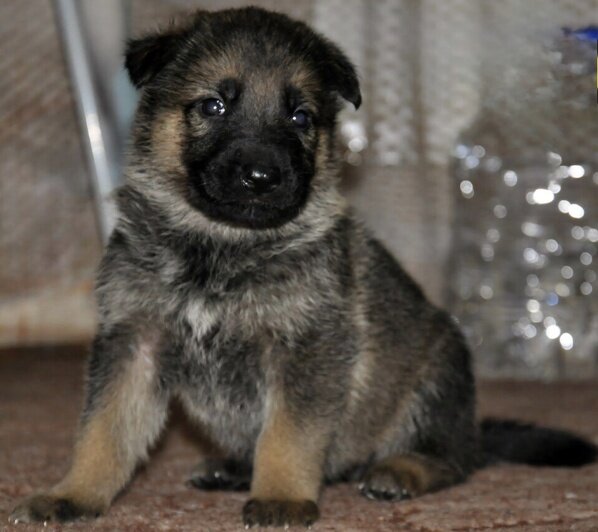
384, 485
280, 513
46, 508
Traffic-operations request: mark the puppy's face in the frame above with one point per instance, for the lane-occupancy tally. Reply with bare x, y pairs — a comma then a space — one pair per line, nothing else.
250, 148
238, 113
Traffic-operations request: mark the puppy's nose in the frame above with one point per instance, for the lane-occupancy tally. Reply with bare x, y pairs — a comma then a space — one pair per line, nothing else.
261, 179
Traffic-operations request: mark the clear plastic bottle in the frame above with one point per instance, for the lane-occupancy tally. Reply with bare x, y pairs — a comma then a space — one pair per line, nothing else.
526, 227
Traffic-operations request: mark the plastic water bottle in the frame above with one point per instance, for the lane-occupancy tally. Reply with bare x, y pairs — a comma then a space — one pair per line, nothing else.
523, 265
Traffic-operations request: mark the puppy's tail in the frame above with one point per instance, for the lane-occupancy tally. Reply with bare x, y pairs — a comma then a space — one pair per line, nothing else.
512, 441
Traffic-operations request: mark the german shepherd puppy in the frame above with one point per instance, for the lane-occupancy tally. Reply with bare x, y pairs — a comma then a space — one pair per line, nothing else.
238, 281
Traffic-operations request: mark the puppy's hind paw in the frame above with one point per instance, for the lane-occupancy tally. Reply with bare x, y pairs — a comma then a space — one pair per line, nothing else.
384, 485
47, 508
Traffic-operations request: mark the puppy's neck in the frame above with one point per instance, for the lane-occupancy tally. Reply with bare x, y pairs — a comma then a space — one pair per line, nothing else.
143, 216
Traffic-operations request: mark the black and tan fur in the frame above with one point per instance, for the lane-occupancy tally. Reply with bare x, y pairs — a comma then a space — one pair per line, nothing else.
287, 332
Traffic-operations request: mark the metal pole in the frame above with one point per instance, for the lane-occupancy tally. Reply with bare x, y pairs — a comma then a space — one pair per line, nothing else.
98, 131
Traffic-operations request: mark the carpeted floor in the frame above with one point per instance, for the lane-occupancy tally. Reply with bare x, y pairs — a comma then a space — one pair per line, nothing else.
40, 396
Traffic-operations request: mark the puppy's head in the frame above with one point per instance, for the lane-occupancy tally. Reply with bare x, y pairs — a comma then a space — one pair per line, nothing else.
237, 115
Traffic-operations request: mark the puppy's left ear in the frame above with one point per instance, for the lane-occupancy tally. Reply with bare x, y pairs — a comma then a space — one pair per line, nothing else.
147, 56
340, 75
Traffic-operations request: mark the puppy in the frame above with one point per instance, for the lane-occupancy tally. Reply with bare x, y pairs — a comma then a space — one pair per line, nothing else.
238, 281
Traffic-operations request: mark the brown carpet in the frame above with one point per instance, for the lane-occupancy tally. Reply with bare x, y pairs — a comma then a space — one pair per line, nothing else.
40, 396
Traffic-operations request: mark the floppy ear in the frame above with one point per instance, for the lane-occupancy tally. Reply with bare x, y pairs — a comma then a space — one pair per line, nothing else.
340, 75
147, 56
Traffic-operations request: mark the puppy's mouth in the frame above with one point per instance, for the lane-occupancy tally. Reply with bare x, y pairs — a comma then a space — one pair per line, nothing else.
238, 207
243, 196
247, 201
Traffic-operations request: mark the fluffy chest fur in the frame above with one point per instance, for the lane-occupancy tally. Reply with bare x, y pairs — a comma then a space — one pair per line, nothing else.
232, 318
220, 373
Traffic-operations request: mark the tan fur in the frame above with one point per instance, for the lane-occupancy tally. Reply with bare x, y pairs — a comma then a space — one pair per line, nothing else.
167, 138
210, 70
263, 84
288, 459
97, 470
114, 438
416, 473
303, 78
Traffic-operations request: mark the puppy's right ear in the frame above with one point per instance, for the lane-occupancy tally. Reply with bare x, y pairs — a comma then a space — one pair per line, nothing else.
147, 56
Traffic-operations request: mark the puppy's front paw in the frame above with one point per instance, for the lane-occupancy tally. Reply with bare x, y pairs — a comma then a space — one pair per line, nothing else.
279, 513
48, 508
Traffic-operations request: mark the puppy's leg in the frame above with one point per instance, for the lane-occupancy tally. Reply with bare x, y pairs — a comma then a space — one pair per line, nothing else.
287, 470
404, 476
124, 414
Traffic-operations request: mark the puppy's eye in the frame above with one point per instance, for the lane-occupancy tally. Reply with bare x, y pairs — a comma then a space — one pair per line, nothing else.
300, 119
212, 107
